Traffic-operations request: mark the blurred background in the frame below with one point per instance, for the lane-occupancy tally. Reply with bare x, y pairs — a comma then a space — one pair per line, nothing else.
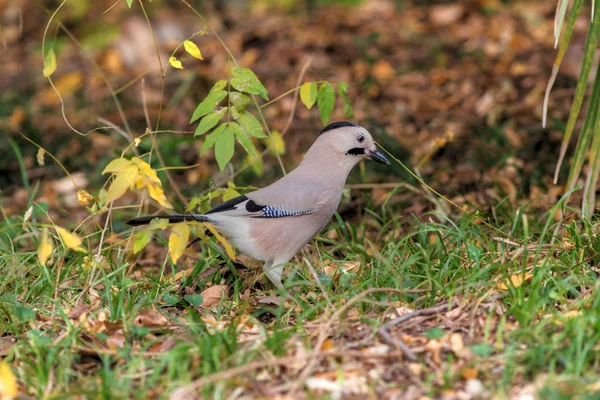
453, 88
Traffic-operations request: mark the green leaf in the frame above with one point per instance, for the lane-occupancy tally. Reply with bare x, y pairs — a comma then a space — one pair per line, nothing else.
239, 100
246, 81
192, 49
224, 146
171, 298
482, 350
435, 333
219, 85
23, 313
209, 121
251, 124
325, 101
308, 94
211, 139
208, 104
194, 299
243, 138
139, 331
129, 3
256, 163
49, 63
326, 280
142, 238
343, 91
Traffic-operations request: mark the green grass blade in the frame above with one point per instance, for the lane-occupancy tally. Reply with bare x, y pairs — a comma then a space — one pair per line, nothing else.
587, 133
586, 66
560, 17
564, 43
21, 163
589, 192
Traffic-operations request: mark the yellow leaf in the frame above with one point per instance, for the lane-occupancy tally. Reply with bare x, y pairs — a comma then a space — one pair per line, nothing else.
125, 179
49, 63
515, 281
70, 240
140, 182
146, 170
157, 194
178, 241
229, 194
222, 240
44, 248
175, 63
191, 48
116, 165
308, 94
27, 215
276, 143
159, 223
8, 383
84, 198
66, 85
40, 156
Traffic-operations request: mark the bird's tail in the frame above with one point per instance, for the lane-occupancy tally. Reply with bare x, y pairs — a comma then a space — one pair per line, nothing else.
172, 219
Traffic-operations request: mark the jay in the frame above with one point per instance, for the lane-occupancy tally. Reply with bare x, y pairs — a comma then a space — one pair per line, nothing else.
272, 224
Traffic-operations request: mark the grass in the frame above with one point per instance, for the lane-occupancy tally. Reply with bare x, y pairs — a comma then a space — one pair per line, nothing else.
543, 329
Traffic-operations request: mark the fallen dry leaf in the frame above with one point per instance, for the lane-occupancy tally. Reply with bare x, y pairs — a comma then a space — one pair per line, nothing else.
150, 319
435, 348
116, 341
79, 309
445, 14
515, 281
456, 343
328, 344
469, 373
383, 71
165, 345
212, 296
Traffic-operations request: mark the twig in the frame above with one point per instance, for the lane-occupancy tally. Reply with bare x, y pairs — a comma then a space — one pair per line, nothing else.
183, 392
325, 332
252, 96
99, 70
158, 155
385, 334
296, 94
317, 280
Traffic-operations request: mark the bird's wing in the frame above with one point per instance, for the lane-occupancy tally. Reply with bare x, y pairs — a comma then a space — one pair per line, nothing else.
271, 202
243, 206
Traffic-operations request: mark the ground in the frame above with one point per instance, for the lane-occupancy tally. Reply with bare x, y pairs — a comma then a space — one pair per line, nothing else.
406, 294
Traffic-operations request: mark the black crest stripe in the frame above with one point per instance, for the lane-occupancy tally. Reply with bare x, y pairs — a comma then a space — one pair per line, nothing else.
336, 125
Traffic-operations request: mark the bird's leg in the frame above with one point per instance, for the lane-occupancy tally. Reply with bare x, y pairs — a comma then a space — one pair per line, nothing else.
274, 273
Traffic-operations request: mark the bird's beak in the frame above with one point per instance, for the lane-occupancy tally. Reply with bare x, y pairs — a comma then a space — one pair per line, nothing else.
377, 156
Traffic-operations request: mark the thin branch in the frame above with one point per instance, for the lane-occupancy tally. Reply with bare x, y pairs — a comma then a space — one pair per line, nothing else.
399, 344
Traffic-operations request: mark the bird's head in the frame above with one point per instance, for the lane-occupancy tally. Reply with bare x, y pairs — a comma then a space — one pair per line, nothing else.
349, 143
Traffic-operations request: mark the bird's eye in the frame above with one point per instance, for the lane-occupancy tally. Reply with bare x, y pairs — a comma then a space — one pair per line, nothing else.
360, 138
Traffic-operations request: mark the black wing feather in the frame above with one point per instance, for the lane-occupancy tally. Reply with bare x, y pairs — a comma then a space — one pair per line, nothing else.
228, 205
